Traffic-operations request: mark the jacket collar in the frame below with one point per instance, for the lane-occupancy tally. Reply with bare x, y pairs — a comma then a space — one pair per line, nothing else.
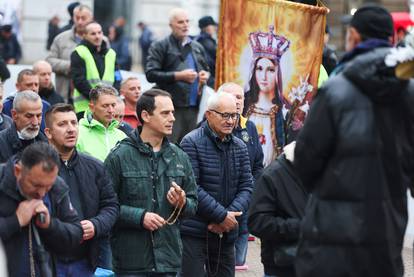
145, 148
213, 136
91, 123
242, 123
93, 48
73, 160
13, 138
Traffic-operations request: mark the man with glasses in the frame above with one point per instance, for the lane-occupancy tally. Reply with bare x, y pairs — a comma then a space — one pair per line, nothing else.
222, 170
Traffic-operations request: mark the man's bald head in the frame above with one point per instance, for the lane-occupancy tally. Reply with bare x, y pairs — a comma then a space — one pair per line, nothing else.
237, 91
44, 70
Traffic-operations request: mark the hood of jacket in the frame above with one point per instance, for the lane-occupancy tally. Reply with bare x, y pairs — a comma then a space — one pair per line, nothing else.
91, 123
376, 80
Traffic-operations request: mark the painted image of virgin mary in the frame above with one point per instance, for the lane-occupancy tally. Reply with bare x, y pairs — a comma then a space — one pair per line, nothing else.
264, 99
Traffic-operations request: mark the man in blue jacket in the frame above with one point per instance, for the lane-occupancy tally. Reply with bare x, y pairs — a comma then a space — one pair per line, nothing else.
225, 182
247, 132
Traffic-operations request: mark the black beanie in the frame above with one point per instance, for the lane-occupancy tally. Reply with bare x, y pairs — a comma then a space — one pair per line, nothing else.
373, 21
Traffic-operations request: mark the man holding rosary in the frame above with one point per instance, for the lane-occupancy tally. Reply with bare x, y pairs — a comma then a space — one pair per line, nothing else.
156, 187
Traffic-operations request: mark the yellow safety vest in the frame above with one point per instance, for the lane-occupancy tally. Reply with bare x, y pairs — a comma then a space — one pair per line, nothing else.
92, 75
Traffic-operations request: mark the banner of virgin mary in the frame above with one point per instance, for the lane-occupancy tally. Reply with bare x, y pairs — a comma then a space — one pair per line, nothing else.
274, 50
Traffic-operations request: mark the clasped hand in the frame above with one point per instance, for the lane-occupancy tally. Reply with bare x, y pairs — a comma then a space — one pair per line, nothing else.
228, 224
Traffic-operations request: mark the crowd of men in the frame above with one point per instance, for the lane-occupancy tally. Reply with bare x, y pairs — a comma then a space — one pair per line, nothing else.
126, 181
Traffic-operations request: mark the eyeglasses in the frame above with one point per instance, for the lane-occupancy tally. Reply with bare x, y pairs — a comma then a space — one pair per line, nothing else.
227, 116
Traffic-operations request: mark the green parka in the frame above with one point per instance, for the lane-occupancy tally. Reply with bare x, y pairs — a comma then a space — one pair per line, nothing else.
142, 180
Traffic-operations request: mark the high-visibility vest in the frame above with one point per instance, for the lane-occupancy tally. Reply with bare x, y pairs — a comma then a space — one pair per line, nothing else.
92, 75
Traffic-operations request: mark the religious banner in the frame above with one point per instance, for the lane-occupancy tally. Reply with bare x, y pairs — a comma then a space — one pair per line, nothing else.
274, 50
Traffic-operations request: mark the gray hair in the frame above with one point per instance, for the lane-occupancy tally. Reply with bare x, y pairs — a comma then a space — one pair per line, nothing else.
26, 95
227, 87
215, 99
174, 12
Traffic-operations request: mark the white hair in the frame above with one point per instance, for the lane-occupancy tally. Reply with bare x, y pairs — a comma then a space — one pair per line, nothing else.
228, 87
174, 12
215, 99
26, 95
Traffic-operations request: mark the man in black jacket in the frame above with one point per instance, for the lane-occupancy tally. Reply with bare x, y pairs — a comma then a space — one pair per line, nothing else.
92, 64
177, 64
207, 39
355, 152
278, 205
27, 115
91, 192
30, 187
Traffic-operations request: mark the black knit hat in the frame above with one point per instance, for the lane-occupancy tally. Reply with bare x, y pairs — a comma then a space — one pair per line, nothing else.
206, 21
373, 21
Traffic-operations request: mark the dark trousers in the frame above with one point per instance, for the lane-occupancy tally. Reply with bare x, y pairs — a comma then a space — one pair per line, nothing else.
199, 261
185, 122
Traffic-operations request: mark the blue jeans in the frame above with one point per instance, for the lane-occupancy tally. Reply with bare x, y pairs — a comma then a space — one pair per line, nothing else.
242, 241
74, 269
105, 254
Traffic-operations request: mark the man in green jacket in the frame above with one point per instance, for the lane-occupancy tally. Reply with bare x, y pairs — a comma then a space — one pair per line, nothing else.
156, 188
98, 132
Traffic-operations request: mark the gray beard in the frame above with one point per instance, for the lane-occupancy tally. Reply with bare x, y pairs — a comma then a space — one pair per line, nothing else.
27, 134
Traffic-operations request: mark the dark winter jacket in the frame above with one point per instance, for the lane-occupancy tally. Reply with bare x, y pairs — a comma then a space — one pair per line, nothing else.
355, 152
10, 48
92, 190
223, 174
50, 95
63, 234
277, 207
210, 47
142, 179
12, 145
121, 47
5, 121
78, 68
165, 58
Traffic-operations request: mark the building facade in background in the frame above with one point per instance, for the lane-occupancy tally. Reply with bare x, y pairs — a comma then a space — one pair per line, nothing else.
34, 16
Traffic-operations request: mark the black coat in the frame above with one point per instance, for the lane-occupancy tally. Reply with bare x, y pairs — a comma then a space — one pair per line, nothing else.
63, 234
210, 47
277, 207
11, 144
165, 58
355, 152
50, 95
99, 204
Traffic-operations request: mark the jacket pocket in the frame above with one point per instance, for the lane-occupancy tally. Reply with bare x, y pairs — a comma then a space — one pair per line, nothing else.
175, 176
137, 184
